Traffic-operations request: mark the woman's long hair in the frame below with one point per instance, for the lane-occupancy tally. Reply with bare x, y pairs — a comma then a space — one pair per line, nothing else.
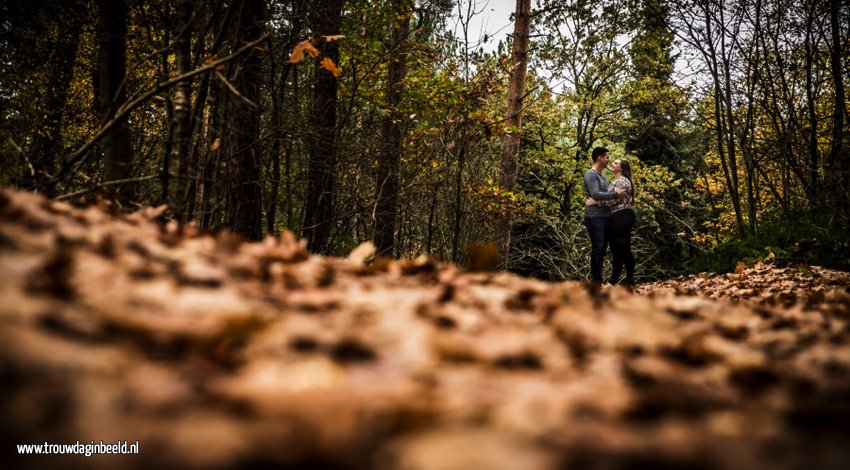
626, 170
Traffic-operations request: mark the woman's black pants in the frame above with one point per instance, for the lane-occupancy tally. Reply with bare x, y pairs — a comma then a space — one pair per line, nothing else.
622, 223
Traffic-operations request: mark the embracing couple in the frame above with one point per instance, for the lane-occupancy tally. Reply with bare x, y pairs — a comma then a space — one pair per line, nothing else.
609, 217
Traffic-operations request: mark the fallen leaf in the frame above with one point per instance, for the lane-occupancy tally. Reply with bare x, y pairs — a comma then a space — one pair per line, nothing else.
362, 253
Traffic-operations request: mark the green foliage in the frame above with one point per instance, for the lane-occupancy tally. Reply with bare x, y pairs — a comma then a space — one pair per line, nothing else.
818, 238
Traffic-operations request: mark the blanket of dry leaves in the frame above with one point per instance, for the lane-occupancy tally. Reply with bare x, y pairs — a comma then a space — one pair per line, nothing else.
212, 352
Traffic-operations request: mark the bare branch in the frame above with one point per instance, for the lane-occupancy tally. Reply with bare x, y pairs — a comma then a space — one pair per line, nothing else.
234, 90
124, 110
105, 185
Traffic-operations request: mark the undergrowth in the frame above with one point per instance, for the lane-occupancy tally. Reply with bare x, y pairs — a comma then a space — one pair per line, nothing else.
820, 238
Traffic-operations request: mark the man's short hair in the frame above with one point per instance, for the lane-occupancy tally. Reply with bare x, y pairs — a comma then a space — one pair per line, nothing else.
598, 152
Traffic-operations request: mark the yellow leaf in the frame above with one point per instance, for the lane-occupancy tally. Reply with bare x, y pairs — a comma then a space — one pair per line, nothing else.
334, 37
300, 48
330, 66
216, 143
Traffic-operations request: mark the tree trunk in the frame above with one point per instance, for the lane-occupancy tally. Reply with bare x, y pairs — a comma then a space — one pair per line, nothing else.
181, 126
212, 124
747, 134
812, 189
278, 93
212, 168
838, 154
731, 128
110, 92
388, 164
432, 210
325, 20
241, 141
167, 127
458, 190
287, 158
516, 93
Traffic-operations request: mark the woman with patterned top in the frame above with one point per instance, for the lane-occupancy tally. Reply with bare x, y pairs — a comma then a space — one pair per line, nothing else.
622, 222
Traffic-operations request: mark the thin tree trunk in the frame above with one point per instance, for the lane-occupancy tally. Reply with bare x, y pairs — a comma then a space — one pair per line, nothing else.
208, 92
458, 203
812, 189
168, 126
388, 164
731, 131
462, 141
838, 154
211, 171
516, 94
325, 20
287, 158
278, 94
431, 213
181, 127
747, 135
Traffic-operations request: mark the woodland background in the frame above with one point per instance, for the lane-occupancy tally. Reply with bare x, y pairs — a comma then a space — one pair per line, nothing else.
352, 120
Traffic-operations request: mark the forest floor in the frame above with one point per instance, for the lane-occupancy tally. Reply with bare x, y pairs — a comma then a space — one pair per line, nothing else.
213, 352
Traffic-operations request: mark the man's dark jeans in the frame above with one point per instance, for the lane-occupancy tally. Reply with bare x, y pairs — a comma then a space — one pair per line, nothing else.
599, 229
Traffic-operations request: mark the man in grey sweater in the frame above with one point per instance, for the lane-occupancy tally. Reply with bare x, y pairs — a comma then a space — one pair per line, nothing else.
597, 218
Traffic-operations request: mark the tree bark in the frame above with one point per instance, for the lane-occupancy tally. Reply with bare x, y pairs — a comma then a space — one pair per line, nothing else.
325, 19
243, 204
212, 168
838, 154
181, 126
812, 189
393, 138
110, 93
516, 94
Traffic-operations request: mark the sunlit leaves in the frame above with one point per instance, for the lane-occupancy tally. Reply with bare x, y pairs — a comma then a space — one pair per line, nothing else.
328, 64
305, 46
